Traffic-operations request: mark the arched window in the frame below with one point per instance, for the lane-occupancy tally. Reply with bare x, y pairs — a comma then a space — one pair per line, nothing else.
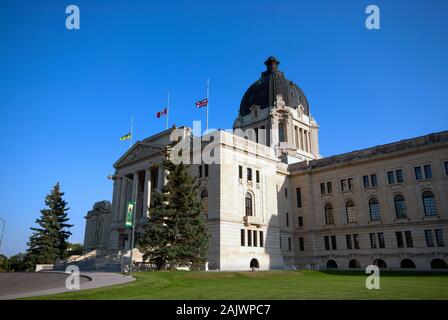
249, 205
374, 209
407, 264
281, 132
429, 203
329, 216
331, 264
204, 199
438, 264
354, 264
350, 210
400, 206
380, 263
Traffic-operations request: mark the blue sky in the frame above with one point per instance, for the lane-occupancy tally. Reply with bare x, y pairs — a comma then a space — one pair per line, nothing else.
67, 96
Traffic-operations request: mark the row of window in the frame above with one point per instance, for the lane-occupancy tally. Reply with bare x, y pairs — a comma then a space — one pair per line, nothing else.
254, 238
393, 176
377, 240
249, 174
428, 200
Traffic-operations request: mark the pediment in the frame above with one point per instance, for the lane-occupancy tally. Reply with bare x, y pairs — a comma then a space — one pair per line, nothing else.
138, 151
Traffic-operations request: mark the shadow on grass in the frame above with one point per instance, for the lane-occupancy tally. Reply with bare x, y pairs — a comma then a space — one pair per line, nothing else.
385, 273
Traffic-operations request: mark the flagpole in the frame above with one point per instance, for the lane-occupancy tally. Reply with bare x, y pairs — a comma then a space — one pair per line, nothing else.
206, 111
168, 110
132, 127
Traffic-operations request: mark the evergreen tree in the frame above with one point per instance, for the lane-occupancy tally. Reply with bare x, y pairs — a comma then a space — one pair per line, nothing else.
175, 234
49, 239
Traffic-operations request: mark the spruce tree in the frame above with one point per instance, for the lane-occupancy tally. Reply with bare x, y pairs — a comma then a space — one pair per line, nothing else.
175, 234
49, 239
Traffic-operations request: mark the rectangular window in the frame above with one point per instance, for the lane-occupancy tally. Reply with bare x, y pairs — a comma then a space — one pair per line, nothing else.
261, 239
365, 180
428, 171
240, 172
299, 198
206, 170
399, 236
374, 180
446, 167
439, 238
286, 192
408, 236
429, 238
356, 240
418, 173
381, 241
257, 176
333, 243
348, 240
255, 237
390, 177
350, 183
249, 238
300, 221
327, 242
343, 184
287, 219
372, 240
322, 188
399, 174
329, 187
289, 244
200, 171
249, 174
301, 244
243, 237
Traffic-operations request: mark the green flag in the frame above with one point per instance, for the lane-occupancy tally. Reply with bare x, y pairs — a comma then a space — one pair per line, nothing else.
126, 137
130, 214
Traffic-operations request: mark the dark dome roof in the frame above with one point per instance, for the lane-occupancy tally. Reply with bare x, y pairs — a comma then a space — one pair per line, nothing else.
264, 91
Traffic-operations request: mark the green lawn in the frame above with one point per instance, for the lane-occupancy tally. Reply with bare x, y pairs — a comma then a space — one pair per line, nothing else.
269, 285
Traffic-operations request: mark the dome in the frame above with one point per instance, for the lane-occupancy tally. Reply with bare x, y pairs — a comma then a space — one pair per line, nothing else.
264, 91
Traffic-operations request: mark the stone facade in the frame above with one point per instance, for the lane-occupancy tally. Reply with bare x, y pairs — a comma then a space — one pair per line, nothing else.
271, 201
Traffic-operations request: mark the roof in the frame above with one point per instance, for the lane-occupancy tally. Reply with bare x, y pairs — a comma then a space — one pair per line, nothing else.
272, 82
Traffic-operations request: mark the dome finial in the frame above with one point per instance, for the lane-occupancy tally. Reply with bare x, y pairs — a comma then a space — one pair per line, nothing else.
271, 64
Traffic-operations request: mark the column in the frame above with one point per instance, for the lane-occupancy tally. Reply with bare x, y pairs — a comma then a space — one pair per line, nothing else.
161, 178
309, 142
116, 199
123, 197
301, 139
147, 192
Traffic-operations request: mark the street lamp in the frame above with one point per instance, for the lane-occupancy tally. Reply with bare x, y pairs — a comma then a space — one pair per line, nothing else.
3, 230
112, 177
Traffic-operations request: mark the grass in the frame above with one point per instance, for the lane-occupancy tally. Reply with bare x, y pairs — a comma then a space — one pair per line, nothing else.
269, 285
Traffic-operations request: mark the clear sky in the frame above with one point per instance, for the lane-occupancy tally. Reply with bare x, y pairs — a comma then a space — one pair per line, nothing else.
67, 96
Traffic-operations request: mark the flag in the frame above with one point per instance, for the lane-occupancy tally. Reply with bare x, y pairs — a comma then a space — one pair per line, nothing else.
162, 113
202, 103
126, 137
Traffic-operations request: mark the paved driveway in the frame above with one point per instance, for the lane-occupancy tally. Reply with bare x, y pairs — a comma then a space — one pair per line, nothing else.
22, 282
25, 284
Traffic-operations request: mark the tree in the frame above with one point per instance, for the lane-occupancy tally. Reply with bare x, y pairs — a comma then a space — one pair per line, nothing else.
175, 234
17, 263
3, 263
73, 249
49, 239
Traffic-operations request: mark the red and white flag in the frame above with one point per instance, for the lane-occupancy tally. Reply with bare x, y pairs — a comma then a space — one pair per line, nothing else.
162, 113
202, 103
